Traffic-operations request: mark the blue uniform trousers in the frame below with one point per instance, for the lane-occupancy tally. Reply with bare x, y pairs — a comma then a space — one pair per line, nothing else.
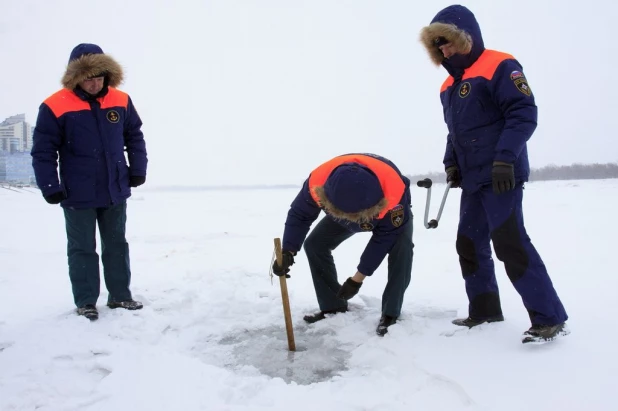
83, 259
486, 216
326, 236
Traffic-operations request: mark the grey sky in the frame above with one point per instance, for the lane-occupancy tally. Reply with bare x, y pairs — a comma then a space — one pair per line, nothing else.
261, 92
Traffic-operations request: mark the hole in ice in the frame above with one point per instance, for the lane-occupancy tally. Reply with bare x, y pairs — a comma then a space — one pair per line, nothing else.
318, 356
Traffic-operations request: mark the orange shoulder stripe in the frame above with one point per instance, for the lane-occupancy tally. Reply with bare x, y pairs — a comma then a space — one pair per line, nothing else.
485, 67
65, 101
390, 181
487, 64
115, 98
447, 83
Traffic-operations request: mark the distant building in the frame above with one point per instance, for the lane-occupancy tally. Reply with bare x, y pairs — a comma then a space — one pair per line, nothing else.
15, 146
15, 134
2, 167
16, 168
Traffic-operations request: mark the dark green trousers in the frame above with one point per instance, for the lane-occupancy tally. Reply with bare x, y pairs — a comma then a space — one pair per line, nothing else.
326, 236
83, 259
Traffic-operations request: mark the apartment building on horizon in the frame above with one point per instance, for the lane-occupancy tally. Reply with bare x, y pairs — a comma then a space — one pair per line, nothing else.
15, 134
15, 146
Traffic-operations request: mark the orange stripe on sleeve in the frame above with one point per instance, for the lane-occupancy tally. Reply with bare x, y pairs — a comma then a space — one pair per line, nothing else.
447, 83
485, 66
115, 98
65, 101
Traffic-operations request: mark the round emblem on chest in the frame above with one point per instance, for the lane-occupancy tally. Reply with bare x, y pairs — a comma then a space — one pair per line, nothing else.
112, 116
464, 90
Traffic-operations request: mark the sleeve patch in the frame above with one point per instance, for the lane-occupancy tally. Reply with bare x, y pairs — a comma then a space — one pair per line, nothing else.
516, 74
522, 85
397, 215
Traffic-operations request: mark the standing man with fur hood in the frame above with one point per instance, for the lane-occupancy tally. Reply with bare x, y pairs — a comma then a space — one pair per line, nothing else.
490, 112
358, 192
85, 129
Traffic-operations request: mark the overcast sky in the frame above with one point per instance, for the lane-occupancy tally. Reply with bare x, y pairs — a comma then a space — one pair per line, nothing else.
263, 91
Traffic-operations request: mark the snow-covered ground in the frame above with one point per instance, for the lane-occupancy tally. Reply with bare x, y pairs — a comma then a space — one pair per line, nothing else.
212, 335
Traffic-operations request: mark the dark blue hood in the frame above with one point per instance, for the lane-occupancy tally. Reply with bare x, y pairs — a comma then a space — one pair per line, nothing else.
83, 49
88, 60
464, 19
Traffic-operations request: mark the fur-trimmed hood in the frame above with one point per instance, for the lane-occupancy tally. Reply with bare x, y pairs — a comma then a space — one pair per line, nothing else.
457, 25
88, 60
362, 216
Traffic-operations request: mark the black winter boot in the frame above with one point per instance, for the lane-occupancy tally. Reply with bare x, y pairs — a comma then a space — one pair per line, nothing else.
540, 334
385, 322
473, 322
89, 311
319, 316
128, 305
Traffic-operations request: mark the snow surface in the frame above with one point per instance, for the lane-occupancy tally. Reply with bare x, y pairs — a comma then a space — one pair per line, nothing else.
212, 335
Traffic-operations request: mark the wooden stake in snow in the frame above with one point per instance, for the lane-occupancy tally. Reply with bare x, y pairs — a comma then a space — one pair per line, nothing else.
285, 299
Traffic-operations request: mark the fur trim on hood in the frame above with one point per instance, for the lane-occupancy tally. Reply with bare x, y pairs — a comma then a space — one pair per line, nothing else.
461, 40
363, 216
90, 65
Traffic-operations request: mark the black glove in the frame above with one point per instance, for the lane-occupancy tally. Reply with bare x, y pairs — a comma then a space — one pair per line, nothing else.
349, 289
135, 181
453, 176
502, 177
55, 198
287, 260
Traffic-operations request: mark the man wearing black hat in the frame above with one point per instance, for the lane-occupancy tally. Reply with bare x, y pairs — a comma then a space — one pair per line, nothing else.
85, 128
358, 192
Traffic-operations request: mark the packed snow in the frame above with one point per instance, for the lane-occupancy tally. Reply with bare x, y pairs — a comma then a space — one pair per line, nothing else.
212, 334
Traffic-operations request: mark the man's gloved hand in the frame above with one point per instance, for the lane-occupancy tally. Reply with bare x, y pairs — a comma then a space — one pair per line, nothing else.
349, 289
502, 177
55, 198
135, 181
453, 176
287, 260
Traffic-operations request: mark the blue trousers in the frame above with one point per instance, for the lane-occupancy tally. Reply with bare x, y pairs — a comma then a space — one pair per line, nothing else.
326, 236
486, 216
83, 259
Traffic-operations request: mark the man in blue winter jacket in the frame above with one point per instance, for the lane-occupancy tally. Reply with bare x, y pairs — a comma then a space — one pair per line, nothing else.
81, 134
490, 113
358, 193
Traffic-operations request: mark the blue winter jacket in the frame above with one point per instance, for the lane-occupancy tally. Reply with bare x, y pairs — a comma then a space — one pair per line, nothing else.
88, 141
304, 211
488, 107
79, 141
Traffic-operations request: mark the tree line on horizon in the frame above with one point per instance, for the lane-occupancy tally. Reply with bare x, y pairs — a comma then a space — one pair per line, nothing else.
550, 172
